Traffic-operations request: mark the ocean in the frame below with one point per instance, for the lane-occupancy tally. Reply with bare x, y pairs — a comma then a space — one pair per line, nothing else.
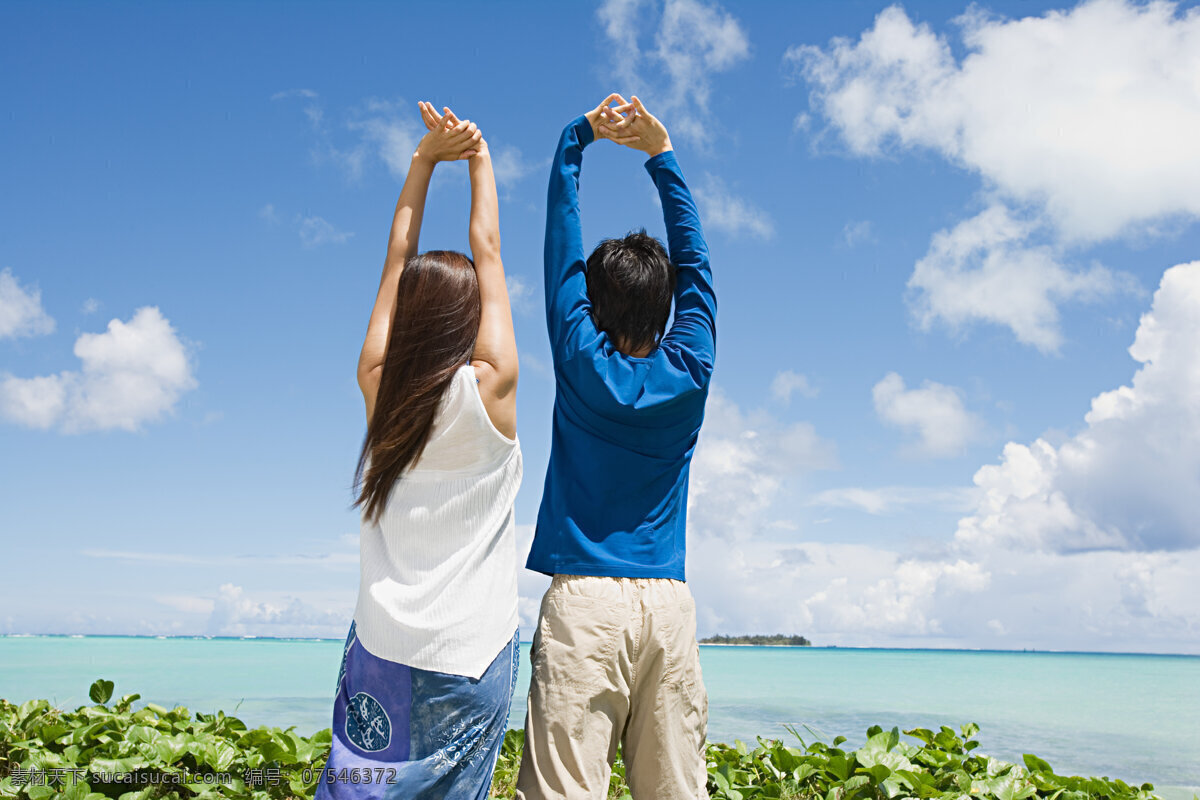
1134, 717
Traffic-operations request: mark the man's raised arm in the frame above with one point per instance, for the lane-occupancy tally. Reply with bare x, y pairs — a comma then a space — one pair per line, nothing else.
567, 304
694, 330
695, 324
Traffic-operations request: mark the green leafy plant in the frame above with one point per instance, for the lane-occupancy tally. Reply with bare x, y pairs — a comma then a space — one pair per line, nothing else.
151, 752
169, 753
942, 764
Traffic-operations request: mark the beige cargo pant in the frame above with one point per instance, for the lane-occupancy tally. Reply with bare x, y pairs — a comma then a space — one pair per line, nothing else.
615, 660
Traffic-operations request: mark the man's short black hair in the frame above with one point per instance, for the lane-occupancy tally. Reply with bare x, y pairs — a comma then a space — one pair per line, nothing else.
631, 283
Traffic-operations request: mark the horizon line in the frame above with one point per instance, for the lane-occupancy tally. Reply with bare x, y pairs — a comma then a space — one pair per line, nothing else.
256, 637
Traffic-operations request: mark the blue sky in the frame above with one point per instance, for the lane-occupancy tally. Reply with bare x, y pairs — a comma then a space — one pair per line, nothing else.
936, 232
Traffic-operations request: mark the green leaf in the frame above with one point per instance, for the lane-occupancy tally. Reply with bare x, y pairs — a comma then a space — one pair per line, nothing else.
219, 755
118, 764
882, 750
854, 784
126, 702
39, 792
924, 734
51, 732
31, 708
946, 765
101, 691
298, 745
271, 751
76, 791
878, 773
169, 749
1035, 764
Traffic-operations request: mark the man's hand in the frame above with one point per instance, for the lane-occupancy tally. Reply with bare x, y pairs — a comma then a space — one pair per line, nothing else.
632, 125
448, 139
595, 115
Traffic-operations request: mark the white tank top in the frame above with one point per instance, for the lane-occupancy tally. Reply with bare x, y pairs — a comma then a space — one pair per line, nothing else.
438, 571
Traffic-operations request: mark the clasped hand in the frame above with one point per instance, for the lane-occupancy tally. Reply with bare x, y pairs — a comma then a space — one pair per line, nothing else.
630, 124
449, 138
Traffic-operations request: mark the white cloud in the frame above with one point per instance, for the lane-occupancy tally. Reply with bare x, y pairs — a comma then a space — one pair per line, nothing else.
312, 110
389, 130
934, 412
509, 165
316, 231
724, 211
619, 18
34, 402
888, 499
313, 230
1093, 111
289, 93
693, 40
787, 383
861, 595
90, 306
188, 604
386, 131
1084, 120
741, 464
1088, 545
337, 560
380, 129
130, 375
537, 365
987, 269
832, 593
857, 232
1129, 479
269, 214
21, 312
234, 613
520, 293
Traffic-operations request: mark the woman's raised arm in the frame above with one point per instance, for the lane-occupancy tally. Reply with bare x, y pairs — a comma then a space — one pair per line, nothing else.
444, 142
495, 356
496, 347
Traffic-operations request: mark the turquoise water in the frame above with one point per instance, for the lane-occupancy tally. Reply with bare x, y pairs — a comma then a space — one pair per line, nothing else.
1134, 717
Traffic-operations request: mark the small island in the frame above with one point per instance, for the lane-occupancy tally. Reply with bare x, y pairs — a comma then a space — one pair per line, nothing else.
774, 640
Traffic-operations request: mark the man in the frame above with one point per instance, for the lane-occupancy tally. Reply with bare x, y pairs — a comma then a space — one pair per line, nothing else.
615, 658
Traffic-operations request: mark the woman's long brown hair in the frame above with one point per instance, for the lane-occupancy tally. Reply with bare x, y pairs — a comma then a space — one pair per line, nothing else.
434, 327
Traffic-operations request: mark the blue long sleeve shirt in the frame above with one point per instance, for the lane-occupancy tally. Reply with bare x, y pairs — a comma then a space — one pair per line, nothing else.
624, 428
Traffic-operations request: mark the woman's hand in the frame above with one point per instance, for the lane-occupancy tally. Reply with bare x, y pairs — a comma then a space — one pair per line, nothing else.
632, 125
448, 139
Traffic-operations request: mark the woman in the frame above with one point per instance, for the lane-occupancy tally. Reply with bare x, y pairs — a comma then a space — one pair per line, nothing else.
430, 661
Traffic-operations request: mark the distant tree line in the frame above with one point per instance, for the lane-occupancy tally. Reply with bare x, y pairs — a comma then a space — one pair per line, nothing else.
776, 639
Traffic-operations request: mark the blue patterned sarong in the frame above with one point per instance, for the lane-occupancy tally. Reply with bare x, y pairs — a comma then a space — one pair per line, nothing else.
402, 733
